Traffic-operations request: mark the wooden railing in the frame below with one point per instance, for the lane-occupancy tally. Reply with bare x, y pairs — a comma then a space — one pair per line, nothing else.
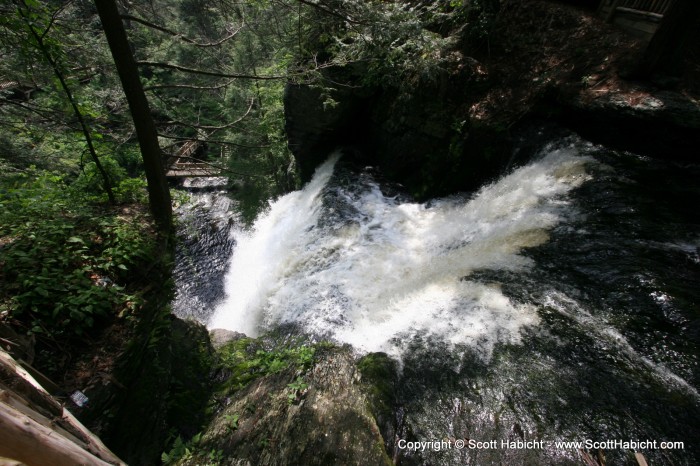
184, 164
656, 8
8, 85
648, 6
188, 148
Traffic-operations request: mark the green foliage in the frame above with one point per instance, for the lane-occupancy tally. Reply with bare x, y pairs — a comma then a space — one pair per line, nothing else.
379, 376
295, 389
245, 360
132, 191
392, 40
192, 449
481, 15
64, 265
90, 180
181, 450
231, 421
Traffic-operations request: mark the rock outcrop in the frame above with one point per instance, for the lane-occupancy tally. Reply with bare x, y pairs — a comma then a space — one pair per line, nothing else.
630, 116
317, 417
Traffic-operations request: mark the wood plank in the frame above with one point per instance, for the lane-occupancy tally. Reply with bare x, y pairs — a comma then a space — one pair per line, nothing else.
19, 381
20, 405
10, 462
26, 440
646, 14
27, 391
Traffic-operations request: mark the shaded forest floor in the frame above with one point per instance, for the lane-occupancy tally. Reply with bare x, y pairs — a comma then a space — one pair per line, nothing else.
539, 47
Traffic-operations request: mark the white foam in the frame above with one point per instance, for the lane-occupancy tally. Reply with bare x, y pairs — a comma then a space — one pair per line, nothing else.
397, 269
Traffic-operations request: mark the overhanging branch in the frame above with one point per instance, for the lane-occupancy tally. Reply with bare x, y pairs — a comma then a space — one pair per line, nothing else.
188, 86
178, 35
217, 74
212, 128
327, 10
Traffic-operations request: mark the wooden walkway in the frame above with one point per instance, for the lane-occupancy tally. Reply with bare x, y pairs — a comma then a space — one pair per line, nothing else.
183, 164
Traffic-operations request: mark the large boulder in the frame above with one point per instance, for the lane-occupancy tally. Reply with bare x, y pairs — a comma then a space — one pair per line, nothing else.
630, 116
320, 119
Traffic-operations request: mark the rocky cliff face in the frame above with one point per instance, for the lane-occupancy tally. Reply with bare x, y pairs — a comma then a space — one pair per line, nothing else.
421, 137
454, 131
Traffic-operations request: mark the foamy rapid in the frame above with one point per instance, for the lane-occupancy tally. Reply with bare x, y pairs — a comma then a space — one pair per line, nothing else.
373, 271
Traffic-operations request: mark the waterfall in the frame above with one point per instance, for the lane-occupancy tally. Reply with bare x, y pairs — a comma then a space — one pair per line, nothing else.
558, 302
360, 267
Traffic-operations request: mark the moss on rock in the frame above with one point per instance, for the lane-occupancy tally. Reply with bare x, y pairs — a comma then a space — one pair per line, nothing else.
311, 410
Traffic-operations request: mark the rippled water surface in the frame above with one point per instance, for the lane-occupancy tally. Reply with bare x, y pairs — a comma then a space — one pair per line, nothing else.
204, 246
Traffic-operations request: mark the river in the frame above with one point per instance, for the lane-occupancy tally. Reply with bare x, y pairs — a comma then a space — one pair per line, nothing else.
557, 303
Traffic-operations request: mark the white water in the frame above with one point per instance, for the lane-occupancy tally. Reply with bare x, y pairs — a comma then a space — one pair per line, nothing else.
375, 272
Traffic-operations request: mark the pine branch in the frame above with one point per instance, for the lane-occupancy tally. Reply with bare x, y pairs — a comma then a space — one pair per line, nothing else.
327, 10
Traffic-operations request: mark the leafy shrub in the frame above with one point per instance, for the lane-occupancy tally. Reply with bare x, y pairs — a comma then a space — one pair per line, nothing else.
91, 181
64, 263
132, 190
246, 360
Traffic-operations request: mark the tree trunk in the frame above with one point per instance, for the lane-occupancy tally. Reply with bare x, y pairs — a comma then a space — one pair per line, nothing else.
665, 51
158, 192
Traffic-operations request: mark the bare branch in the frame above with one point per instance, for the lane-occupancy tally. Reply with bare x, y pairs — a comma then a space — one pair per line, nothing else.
212, 128
208, 73
178, 35
44, 112
54, 16
188, 86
